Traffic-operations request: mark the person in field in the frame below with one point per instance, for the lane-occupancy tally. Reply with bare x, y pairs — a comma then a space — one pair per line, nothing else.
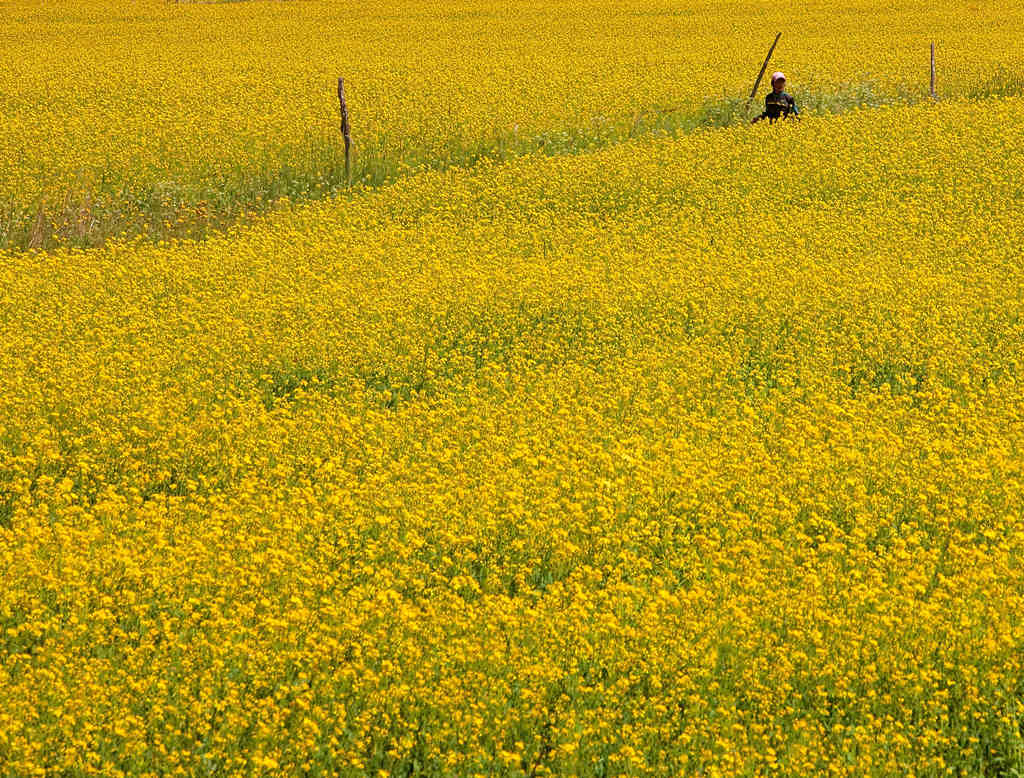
777, 103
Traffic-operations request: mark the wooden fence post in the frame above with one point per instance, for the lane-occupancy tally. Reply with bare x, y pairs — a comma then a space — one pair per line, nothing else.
760, 75
345, 130
933, 72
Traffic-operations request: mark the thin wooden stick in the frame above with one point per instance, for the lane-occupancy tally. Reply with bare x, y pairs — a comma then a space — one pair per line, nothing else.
933, 72
345, 129
760, 75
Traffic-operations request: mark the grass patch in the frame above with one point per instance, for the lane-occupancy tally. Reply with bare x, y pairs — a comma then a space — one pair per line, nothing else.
1003, 83
93, 212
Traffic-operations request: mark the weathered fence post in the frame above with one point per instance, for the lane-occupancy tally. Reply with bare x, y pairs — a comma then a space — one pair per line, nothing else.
345, 130
933, 72
760, 75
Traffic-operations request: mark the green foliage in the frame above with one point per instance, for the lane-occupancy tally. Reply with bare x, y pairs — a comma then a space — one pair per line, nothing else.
93, 212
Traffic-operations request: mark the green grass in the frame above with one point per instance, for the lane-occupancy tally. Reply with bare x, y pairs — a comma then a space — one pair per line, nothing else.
204, 201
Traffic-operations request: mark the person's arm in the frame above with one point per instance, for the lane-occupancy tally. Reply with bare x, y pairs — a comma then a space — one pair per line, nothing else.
793, 108
764, 115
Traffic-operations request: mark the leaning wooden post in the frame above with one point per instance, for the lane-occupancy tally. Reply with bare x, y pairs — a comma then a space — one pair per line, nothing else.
760, 75
933, 72
345, 130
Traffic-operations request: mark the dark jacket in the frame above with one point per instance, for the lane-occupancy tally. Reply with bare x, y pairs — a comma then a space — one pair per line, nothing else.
778, 105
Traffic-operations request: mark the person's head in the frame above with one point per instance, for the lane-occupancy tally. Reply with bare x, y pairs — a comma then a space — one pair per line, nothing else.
778, 81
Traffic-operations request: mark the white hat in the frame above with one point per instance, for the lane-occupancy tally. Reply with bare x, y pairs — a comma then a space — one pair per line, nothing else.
777, 75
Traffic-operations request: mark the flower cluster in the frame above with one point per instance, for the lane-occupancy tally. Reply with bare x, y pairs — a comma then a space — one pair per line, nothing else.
682, 457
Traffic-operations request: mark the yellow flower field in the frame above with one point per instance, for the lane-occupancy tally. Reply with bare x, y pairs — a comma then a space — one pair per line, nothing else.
696, 456
169, 118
